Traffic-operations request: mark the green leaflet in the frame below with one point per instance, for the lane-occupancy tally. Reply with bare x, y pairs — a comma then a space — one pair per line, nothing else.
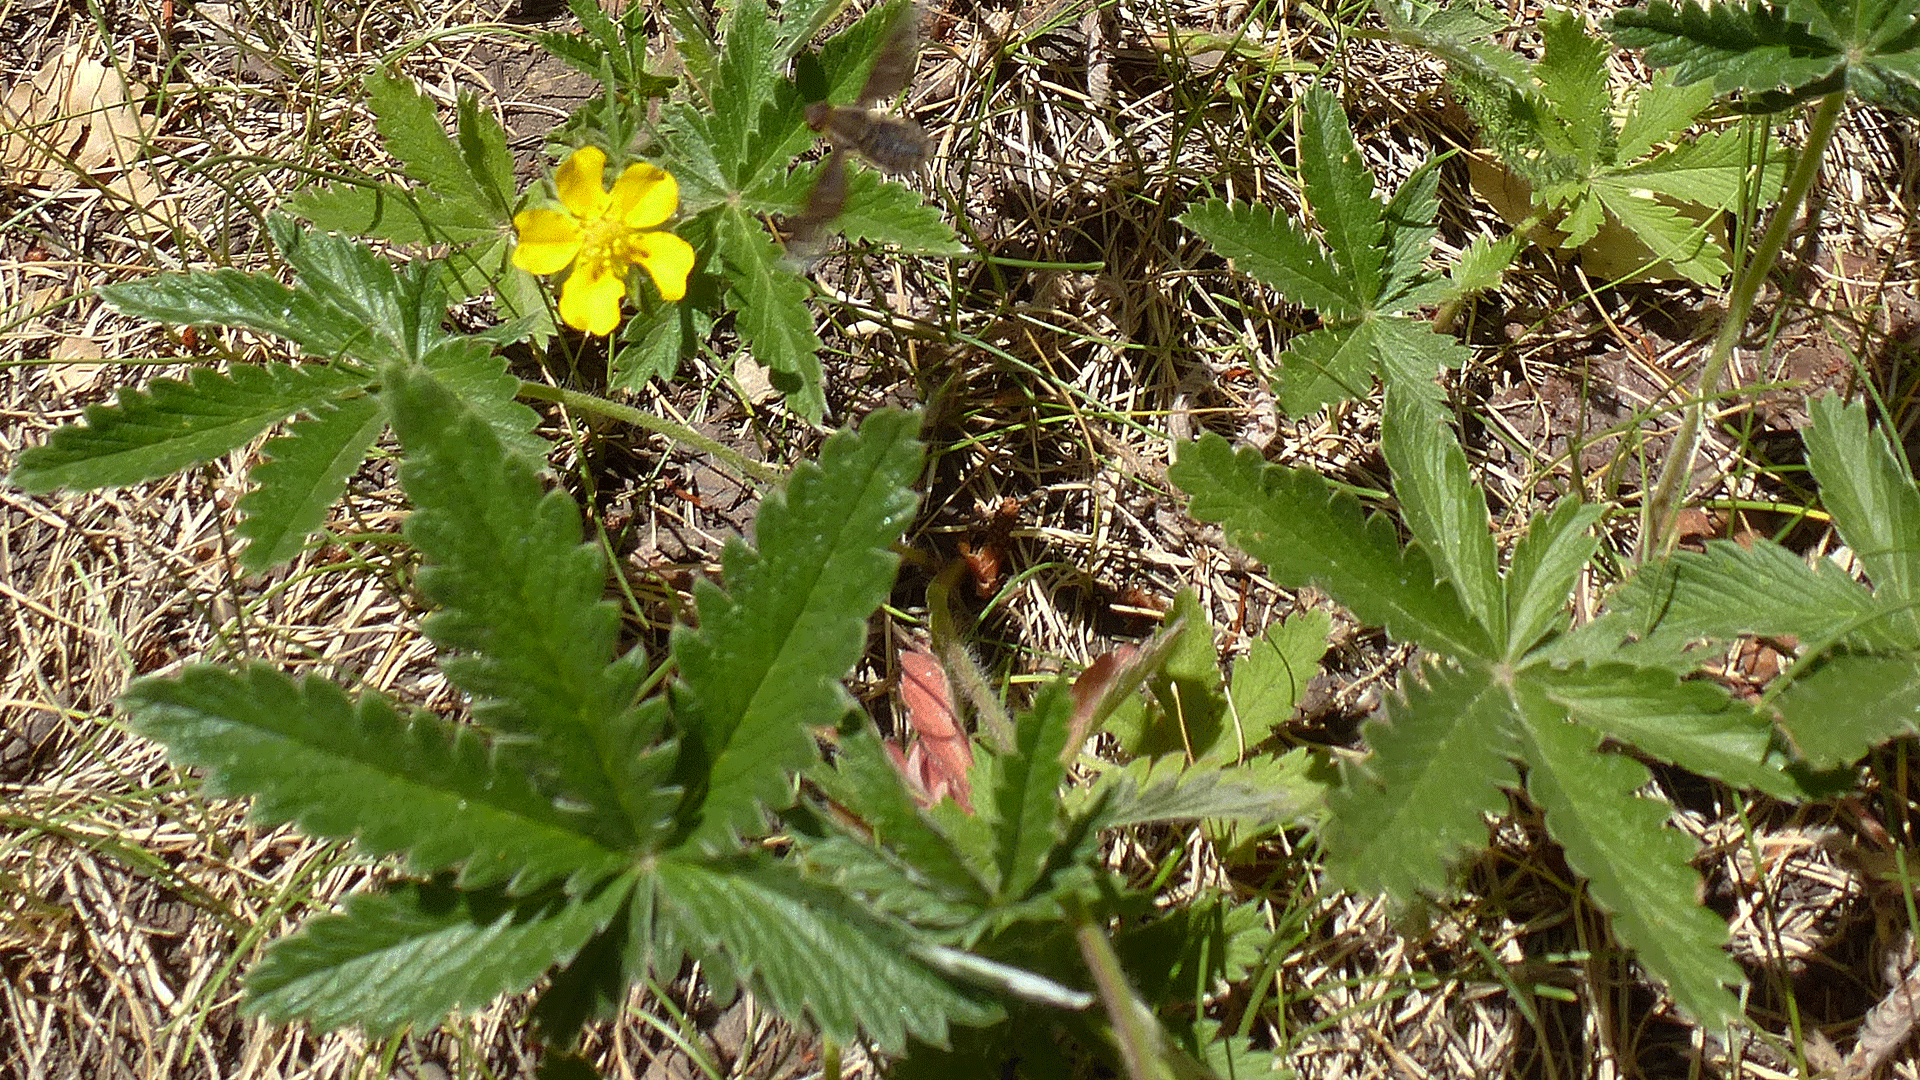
1260, 793
1848, 702
1445, 750
520, 597
812, 951
1440, 758
349, 770
303, 473
1026, 801
1442, 506
885, 212
1874, 501
417, 952
1271, 680
1306, 533
1265, 244
770, 650
1638, 869
170, 425
773, 314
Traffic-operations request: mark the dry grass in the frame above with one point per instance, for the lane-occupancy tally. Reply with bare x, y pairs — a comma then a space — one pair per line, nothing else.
1058, 373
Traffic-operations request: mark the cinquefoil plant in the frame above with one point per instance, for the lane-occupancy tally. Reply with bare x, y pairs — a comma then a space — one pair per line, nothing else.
576, 829
729, 134
1366, 277
1496, 711
1613, 189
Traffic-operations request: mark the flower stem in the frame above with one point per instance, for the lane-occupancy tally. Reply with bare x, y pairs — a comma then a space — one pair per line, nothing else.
757, 472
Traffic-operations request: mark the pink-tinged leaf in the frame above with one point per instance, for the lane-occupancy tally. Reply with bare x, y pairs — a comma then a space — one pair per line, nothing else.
936, 763
929, 700
1112, 678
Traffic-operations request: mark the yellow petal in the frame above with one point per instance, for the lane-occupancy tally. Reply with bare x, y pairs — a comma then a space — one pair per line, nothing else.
644, 196
548, 240
591, 302
579, 182
668, 260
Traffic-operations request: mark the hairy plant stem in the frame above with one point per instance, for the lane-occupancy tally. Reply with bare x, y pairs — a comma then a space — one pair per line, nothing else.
758, 473
1657, 536
1142, 1047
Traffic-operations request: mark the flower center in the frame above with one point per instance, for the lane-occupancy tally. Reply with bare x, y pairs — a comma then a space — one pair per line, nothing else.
607, 246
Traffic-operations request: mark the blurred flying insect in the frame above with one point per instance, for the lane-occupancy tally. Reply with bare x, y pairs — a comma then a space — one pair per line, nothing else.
892, 144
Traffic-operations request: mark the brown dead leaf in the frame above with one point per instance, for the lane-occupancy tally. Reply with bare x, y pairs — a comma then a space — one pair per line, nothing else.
76, 116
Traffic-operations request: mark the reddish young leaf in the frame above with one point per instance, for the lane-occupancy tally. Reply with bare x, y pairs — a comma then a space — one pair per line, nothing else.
936, 762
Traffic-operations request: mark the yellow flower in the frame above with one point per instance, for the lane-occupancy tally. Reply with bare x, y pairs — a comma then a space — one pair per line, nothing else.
602, 234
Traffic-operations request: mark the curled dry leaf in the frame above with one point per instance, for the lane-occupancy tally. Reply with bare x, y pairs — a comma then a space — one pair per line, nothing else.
76, 116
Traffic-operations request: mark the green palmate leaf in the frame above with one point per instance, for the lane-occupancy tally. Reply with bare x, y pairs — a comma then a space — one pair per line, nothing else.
773, 314
1638, 869
1026, 800
171, 425
1306, 534
1339, 188
1693, 724
303, 474
1439, 763
521, 603
812, 952
412, 955
350, 770
767, 658
888, 213
1264, 244
1847, 703
1873, 499
1442, 506
1271, 680
1546, 563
